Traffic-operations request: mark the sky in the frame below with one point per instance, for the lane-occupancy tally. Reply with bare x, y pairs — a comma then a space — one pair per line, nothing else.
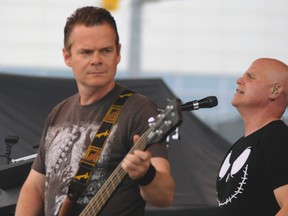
173, 36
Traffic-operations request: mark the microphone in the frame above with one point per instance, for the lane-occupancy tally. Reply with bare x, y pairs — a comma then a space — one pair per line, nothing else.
207, 102
11, 139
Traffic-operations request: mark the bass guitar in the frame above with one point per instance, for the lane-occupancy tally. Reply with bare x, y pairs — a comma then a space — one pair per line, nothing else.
159, 128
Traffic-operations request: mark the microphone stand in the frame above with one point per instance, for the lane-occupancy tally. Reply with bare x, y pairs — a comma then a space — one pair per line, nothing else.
10, 141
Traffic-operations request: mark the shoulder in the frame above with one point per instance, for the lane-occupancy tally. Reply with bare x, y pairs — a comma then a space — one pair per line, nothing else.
139, 103
64, 106
74, 99
137, 100
276, 129
275, 137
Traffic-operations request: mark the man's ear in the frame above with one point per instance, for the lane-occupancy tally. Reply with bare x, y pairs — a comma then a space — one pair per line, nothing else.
276, 91
119, 53
67, 57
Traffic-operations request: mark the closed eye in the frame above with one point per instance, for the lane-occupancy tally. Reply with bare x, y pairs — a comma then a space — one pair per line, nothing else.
251, 76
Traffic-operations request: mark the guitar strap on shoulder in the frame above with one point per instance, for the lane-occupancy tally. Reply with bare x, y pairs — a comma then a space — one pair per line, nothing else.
87, 163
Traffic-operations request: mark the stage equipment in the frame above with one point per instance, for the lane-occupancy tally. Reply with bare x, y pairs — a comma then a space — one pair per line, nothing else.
207, 102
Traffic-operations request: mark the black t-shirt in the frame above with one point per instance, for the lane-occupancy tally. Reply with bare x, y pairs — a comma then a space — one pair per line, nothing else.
69, 130
253, 167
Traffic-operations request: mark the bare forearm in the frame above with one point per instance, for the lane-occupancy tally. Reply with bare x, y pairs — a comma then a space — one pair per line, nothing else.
31, 198
282, 199
29, 203
153, 177
283, 211
160, 192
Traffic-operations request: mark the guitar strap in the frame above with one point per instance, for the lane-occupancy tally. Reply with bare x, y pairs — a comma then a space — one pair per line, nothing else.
87, 163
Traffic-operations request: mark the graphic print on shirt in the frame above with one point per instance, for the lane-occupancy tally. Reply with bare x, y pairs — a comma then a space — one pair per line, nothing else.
61, 164
233, 175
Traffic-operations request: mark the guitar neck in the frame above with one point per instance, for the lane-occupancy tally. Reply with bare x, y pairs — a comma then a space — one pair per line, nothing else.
105, 192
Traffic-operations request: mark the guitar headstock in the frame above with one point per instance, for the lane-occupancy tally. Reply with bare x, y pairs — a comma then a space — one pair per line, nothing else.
166, 121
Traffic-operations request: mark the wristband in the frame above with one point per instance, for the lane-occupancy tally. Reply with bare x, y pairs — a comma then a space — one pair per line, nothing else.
148, 177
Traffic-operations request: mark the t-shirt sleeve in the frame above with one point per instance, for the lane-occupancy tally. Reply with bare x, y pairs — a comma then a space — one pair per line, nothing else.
145, 109
277, 159
39, 162
278, 167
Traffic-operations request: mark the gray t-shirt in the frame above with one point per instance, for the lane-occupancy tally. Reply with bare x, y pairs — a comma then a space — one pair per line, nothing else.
68, 132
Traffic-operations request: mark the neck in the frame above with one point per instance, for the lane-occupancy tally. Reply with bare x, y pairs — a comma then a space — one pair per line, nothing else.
256, 120
94, 94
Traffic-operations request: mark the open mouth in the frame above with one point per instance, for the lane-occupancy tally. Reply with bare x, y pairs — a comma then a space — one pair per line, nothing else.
239, 91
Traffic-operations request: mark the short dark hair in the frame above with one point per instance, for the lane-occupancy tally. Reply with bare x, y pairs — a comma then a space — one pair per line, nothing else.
89, 16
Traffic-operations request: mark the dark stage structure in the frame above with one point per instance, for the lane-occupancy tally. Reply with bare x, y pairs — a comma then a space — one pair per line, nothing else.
25, 103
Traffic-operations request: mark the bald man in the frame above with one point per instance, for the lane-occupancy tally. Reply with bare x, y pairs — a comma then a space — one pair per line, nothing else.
253, 178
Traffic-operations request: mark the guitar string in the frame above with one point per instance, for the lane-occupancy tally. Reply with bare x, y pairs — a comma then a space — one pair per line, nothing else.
112, 182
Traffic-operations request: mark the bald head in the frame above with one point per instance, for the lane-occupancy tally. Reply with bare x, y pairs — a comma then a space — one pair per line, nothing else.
273, 74
274, 69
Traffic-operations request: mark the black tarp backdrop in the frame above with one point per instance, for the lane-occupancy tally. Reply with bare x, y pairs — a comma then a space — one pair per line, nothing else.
26, 101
